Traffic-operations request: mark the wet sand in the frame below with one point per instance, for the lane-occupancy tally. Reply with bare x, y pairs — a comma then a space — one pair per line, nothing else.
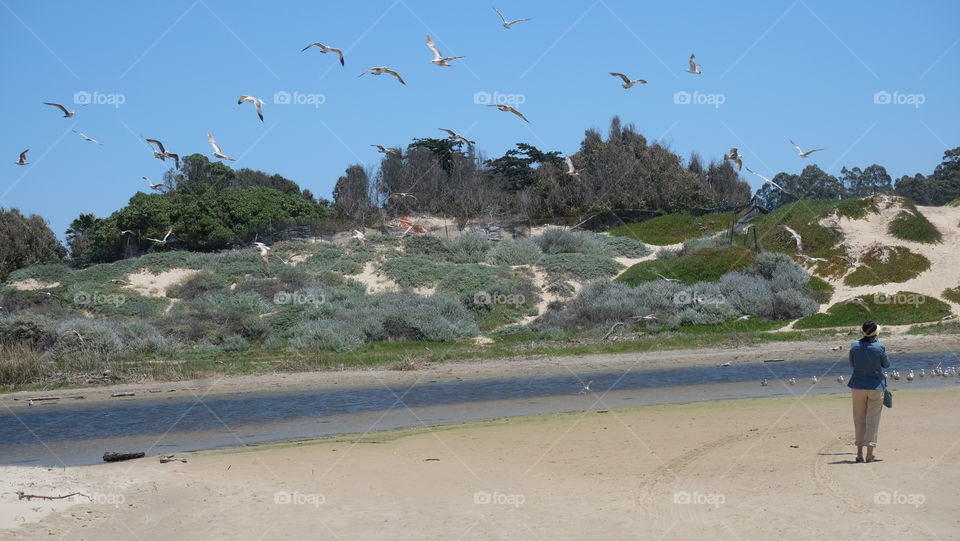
738, 469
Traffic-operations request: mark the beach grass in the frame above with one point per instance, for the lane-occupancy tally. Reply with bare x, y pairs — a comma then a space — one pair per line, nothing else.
674, 228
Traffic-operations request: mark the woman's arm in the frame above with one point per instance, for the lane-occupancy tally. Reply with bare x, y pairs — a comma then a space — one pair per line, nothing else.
884, 361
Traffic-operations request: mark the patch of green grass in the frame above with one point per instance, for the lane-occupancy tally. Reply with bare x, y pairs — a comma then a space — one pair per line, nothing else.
734, 326
901, 265
674, 228
856, 209
947, 327
415, 270
911, 224
902, 308
951, 294
821, 289
579, 266
43, 273
705, 265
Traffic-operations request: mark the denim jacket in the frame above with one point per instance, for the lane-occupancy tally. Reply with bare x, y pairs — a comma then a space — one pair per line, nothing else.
868, 358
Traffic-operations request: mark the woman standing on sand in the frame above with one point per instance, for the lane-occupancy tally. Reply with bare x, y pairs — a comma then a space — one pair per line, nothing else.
868, 358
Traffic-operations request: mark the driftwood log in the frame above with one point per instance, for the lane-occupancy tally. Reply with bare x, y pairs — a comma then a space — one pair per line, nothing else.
21, 495
116, 457
115, 395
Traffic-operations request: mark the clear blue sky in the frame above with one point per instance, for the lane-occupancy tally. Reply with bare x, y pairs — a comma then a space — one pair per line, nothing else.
803, 70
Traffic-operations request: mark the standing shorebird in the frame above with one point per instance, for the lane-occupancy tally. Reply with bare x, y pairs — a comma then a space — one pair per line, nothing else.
325, 49
840, 380
764, 382
793, 381
910, 375
814, 380
628, 82
694, 67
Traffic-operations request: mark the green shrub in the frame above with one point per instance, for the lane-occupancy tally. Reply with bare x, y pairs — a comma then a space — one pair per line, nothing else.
49, 273
951, 294
556, 240
900, 265
515, 252
820, 289
625, 246
22, 365
424, 245
31, 331
414, 271
856, 209
902, 308
674, 228
468, 248
579, 266
200, 284
911, 224
706, 265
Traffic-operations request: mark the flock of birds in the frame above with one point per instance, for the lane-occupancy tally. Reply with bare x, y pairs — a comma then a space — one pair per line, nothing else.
911, 375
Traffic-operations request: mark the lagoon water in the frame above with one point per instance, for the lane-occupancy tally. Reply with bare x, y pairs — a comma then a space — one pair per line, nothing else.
73, 432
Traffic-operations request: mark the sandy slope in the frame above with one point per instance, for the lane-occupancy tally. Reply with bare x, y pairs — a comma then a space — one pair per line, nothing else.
155, 285
749, 469
944, 258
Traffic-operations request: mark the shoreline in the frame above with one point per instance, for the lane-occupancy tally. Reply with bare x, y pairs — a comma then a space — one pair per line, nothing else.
754, 463
476, 370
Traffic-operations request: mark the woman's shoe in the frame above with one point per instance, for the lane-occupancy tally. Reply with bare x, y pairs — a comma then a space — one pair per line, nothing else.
859, 459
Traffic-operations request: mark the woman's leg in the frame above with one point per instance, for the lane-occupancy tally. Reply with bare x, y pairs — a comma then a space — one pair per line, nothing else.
873, 410
859, 419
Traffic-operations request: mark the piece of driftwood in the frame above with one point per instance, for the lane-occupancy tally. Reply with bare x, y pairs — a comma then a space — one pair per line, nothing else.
171, 458
115, 395
116, 457
773, 360
40, 398
21, 495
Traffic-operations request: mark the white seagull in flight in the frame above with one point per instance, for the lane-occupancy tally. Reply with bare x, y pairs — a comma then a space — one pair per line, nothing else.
571, 170
385, 150
86, 137
768, 181
256, 101
439, 59
508, 24
325, 49
796, 236
694, 67
163, 240
264, 252
216, 148
456, 136
162, 155
381, 70
628, 82
66, 114
23, 158
153, 186
802, 153
508, 109
735, 158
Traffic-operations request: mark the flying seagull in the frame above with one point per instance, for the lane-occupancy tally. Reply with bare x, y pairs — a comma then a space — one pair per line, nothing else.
216, 149
163, 240
86, 138
380, 71
694, 67
859, 302
264, 252
802, 153
153, 186
743, 317
735, 158
23, 158
385, 150
325, 49
628, 82
662, 277
66, 114
439, 59
402, 195
571, 170
162, 155
584, 387
648, 317
796, 236
357, 234
256, 101
809, 259
508, 109
456, 136
768, 181
508, 24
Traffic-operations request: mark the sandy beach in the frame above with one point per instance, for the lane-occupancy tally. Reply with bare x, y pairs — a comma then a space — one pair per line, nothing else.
741, 469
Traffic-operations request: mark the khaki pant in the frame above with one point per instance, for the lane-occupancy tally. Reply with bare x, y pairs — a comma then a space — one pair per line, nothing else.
867, 406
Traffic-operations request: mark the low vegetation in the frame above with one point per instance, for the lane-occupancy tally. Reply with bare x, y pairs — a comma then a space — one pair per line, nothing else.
886, 265
911, 224
674, 228
703, 265
901, 308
